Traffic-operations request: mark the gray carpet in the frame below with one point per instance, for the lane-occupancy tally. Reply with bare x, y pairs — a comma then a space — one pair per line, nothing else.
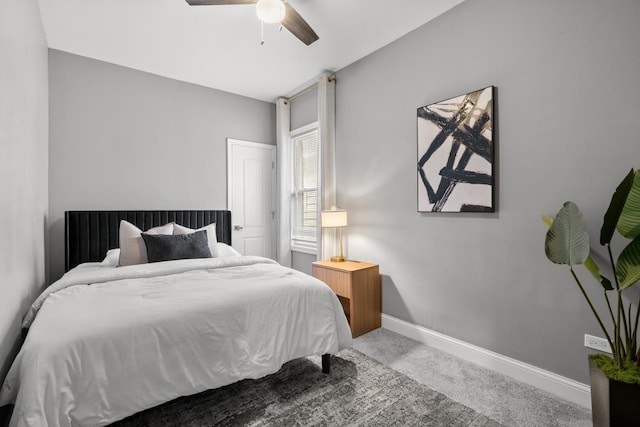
359, 391
497, 396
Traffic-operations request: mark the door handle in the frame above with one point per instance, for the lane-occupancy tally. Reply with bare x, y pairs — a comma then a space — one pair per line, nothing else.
238, 227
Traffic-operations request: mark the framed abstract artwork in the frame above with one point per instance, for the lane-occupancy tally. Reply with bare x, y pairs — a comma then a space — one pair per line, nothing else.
455, 154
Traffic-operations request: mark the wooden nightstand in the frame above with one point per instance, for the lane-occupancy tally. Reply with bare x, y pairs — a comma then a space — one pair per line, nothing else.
357, 285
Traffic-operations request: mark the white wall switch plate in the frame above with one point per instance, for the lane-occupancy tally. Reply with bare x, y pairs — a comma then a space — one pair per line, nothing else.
597, 343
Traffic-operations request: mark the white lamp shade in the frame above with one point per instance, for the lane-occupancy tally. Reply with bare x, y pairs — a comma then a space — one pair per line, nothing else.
270, 11
333, 218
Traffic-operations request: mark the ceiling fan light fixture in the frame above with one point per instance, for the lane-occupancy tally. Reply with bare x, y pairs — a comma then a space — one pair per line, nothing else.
270, 11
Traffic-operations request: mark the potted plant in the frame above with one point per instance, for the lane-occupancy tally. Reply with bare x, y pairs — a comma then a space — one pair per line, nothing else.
615, 381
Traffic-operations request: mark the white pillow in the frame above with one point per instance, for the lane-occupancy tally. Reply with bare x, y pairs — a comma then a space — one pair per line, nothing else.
211, 236
112, 259
132, 247
226, 250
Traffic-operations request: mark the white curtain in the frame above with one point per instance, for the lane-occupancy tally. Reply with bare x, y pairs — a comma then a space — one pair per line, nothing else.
327, 160
283, 149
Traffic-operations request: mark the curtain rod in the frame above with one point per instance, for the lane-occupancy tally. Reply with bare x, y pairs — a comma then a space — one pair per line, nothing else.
331, 78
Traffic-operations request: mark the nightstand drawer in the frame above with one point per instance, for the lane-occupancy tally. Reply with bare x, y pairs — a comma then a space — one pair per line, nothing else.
339, 281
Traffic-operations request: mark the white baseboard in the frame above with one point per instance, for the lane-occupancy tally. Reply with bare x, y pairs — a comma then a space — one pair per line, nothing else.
563, 387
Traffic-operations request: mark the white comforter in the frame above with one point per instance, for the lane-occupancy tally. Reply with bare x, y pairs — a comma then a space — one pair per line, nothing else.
142, 335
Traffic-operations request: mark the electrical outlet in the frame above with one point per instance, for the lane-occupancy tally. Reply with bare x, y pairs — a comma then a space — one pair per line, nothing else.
597, 343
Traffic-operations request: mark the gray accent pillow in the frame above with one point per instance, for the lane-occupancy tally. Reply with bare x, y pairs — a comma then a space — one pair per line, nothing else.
161, 247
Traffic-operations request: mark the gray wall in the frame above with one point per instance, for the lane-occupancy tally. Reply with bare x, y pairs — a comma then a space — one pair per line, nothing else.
567, 84
304, 109
23, 167
125, 139
301, 261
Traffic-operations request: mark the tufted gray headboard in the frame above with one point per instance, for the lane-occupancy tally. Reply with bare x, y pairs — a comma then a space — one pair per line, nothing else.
89, 234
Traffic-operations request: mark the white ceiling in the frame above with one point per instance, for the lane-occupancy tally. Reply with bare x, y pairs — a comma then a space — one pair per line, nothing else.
219, 46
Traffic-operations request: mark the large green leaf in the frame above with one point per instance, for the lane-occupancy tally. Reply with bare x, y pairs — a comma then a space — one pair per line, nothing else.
589, 263
628, 265
612, 215
629, 222
567, 241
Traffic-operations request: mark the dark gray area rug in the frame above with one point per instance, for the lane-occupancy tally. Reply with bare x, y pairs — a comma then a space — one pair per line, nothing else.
359, 391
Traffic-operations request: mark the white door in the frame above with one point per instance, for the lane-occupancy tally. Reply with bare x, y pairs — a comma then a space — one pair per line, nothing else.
251, 177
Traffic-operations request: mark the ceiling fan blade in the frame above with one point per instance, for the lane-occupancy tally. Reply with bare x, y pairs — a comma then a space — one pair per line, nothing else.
217, 2
298, 26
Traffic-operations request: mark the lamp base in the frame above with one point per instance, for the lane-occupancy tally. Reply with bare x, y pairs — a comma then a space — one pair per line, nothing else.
338, 258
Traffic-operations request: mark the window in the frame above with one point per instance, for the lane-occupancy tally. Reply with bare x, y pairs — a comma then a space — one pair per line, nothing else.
304, 212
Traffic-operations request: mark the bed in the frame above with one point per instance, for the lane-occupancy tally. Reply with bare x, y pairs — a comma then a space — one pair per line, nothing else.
107, 341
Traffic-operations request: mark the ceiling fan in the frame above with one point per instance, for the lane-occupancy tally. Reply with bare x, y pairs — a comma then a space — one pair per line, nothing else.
272, 11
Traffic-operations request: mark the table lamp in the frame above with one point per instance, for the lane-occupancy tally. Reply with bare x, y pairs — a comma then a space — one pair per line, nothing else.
335, 218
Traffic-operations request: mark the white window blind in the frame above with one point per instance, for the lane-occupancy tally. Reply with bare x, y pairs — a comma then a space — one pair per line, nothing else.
304, 218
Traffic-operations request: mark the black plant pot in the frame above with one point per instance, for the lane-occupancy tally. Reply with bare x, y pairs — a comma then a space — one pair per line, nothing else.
613, 403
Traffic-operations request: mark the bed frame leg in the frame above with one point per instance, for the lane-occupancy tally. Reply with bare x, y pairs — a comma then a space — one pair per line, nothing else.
326, 363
